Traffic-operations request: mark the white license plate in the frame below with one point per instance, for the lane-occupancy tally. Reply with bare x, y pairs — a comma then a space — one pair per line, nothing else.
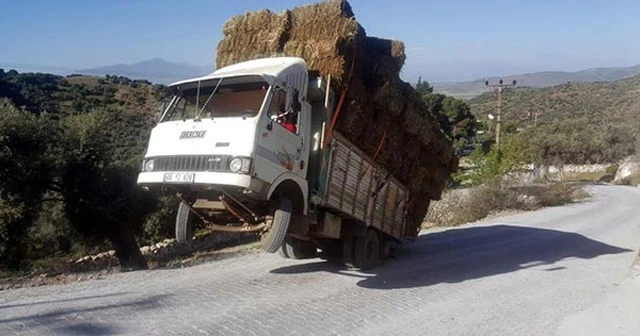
179, 177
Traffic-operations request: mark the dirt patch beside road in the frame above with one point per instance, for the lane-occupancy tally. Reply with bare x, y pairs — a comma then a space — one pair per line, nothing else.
166, 254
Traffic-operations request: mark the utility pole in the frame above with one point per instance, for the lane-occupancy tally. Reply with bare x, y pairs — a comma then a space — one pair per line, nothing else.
501, 86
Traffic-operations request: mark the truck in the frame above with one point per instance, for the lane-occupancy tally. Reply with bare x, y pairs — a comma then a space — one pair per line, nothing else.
252, 148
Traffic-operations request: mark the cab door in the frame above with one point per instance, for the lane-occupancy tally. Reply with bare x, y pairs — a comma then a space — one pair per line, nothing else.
280, 149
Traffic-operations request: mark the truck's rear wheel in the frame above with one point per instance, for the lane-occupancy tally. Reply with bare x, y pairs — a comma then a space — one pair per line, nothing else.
367, 250
283, 252
297, 249
348, 250
184, 224
272, 240
331, 251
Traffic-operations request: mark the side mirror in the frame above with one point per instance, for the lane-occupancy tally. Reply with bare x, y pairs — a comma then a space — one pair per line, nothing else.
270, 125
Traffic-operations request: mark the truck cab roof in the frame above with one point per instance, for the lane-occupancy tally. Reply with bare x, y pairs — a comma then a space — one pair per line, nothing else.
279, 70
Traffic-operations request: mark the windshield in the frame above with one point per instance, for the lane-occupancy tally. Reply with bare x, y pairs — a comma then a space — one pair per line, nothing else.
228, 100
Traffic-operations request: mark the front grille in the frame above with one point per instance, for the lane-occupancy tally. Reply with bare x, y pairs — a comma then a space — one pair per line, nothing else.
212, 163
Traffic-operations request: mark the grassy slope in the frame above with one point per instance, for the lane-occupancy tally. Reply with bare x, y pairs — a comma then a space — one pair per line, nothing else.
139, 98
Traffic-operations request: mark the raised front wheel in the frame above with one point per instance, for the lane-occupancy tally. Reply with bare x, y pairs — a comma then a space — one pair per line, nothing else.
272, 240
184, 224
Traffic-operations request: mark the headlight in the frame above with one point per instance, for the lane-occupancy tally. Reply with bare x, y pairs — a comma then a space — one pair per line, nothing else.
240, 165
235, 165
149, 165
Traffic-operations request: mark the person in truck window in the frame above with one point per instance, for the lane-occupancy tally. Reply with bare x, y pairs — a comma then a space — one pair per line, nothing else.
289, 121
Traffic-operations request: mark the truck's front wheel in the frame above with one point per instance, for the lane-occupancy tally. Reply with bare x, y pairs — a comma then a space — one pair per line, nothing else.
272, 240
184, 224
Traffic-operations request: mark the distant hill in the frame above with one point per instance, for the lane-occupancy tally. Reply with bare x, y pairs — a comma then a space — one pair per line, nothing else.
610, 102
573, 122
539, 79
155, 70
39, 92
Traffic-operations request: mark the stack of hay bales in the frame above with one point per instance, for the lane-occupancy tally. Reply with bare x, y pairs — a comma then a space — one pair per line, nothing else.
378, 103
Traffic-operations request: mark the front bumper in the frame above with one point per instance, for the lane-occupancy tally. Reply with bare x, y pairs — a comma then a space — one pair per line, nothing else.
201, 178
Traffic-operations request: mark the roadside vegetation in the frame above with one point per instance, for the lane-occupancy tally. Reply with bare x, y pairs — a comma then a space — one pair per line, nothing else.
453, 115
569, 124
70, 150
500, 180
465, 206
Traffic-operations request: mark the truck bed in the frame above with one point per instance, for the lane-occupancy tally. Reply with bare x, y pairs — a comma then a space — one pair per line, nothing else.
353, 185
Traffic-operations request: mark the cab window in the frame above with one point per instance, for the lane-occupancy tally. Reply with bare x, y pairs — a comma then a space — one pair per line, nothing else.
284, 110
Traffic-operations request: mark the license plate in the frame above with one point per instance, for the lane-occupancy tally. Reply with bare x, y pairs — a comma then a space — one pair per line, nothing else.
179, 177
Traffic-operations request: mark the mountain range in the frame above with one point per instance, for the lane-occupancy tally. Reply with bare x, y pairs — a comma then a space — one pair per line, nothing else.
156, 70
160, 71
474, 88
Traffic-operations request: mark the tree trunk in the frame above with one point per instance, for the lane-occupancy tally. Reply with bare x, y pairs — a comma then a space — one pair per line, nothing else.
15, 249
15, 246
127, 250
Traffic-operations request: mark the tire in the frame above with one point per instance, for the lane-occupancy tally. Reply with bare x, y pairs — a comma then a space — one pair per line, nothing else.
282, 251
184, 224
273, 239
331, 251
367, 250
348, 251
297, 249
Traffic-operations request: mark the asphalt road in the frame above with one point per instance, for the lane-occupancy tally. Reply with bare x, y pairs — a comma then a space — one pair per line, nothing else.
564, 270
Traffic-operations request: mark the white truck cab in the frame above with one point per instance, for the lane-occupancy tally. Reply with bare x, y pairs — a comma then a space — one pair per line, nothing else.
243, 149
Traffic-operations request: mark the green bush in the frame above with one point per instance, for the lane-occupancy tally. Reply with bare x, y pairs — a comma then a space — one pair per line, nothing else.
511, 156
160, 224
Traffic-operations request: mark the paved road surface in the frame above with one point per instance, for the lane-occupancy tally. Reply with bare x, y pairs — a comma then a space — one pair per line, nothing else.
556, 271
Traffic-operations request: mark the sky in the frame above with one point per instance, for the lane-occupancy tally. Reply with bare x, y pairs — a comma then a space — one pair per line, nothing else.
450, 40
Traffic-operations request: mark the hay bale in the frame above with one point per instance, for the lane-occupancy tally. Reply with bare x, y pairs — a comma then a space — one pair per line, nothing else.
378, 103
325, 21
255, 34
387, 49
320, 55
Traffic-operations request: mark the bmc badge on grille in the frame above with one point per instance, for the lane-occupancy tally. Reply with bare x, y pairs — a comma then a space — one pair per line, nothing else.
192, 134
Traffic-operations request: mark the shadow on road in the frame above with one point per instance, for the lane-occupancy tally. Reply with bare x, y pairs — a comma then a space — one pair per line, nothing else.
82, 329
90, 297
75, 315
462, 254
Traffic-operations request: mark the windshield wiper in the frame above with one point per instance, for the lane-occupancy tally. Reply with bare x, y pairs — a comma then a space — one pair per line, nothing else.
208, 99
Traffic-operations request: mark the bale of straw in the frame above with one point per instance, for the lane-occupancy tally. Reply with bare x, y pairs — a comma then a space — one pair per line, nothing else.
254, 34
